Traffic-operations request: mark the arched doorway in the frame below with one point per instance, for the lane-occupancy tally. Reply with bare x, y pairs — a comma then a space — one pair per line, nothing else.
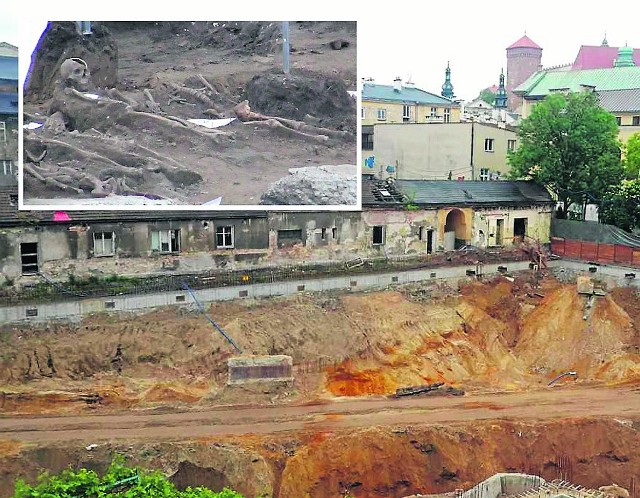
455, 230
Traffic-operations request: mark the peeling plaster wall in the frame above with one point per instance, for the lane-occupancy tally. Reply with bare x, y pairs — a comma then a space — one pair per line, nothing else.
324, 236
538, 224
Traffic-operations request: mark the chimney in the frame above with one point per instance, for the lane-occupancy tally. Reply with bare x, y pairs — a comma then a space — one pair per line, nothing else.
397, 84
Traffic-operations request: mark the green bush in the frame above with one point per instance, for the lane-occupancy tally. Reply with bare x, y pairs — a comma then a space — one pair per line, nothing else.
120, 481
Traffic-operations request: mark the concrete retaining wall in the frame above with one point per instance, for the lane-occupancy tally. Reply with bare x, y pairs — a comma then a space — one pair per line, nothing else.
75, 310
510, 484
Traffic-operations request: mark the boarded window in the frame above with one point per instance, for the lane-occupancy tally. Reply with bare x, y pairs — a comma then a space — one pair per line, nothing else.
287, 238
104, 244
165, 241
29, 258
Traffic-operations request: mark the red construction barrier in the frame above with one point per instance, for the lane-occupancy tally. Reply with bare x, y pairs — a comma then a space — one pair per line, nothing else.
557, 246
573, 249
606, 253
589, 251
623, 254
592, 251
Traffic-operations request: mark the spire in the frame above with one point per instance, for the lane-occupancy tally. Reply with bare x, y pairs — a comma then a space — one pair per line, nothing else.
447, 88
501, 94
604, 43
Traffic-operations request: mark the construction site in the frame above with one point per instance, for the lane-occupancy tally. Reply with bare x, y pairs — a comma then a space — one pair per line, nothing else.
514, 384
225, 112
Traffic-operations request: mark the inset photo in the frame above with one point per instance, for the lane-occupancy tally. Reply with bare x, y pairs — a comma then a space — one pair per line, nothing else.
206, 113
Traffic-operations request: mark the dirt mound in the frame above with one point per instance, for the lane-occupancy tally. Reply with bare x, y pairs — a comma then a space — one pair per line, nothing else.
244, 37
303, 93
61, 41
341, 345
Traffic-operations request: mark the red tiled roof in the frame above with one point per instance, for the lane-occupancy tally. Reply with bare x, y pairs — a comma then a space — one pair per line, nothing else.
597, 57
524, 42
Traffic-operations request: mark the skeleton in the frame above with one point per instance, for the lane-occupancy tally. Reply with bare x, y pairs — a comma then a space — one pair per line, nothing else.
289, 126
73, 109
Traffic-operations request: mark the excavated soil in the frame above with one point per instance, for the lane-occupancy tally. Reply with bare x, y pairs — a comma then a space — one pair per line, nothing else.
492, 336
238, 61
375, 461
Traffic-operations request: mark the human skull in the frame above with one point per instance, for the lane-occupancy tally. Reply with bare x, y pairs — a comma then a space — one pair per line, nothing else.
75, 73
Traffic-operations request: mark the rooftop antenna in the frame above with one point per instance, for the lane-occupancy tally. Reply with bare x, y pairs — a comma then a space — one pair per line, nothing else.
285, 46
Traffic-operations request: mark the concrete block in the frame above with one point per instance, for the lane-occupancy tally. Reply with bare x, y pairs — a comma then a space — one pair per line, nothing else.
584, 285
260, 368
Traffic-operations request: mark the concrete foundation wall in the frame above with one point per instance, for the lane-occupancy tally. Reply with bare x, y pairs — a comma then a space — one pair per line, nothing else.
509, 484
75, 310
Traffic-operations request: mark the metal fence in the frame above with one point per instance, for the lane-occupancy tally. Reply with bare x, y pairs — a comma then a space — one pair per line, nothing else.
49, 290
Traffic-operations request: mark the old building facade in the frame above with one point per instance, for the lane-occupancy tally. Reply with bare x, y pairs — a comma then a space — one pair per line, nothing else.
398, 219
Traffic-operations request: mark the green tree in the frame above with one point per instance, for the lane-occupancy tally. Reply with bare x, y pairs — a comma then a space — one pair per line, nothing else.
621, 205
632, 157
570, 145
488, 96
120, 481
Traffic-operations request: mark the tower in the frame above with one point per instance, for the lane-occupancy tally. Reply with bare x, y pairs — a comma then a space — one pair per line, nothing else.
447, 88
501, 94
625, 57
523, 59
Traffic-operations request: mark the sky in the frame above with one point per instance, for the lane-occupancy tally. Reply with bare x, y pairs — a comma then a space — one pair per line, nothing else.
418, 45
410, 39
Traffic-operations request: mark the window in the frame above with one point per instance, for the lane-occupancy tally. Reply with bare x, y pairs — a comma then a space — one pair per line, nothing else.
13, 199
382, 114
7, 167
618, 120
484, 174
635, 121
104, 244
511, 145
29, 258
224, 237
434, 112
367, 141
165, 241
287, 238
447, 115
488, 144
406, 113
334, 233
3, 131
362, 113
324, 234
420, 233
378, 235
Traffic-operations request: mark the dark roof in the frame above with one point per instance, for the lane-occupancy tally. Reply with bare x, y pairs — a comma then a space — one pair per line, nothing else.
8, 103
439, 193
10, 216
620, 100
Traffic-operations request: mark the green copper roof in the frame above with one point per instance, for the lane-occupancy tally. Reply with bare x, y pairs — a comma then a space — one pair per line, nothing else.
386, 93
625, 57
542, 83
